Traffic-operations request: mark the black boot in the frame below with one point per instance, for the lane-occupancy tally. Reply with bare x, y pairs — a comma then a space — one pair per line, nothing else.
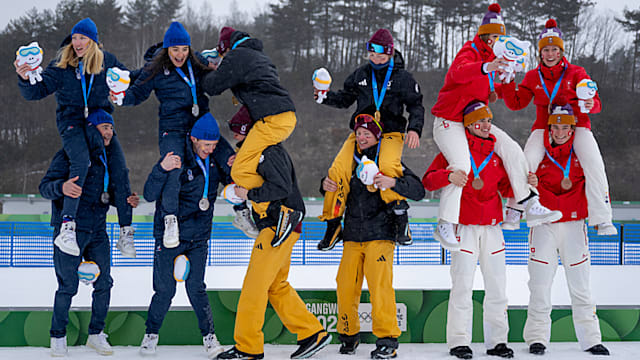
537, 349
501, 350
287, 222
349, 343
598, 350
311, 345
461, 352
234, 353
386, 348
332, 236
400, 223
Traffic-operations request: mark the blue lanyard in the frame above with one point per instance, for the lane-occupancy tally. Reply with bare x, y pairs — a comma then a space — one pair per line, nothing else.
85, 93
379, 98
477, 170
375, 160
192, 83
103, 158
205, 171
491, 75
567, 168
555, 88
240, 42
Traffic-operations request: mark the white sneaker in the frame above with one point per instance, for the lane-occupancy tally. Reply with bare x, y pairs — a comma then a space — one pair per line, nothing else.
99, 343
243, 222
606, 229
149, 344
171, 236
66, 240
212, 346
511, 219
537, 214
59, 346
446, 235
125, 242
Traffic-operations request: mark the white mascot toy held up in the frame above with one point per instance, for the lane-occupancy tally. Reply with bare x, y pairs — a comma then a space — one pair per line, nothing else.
367, 171
31, 55
586, 89
321, 81
88, 272
118, 82
212, 56
514, 52
229, 194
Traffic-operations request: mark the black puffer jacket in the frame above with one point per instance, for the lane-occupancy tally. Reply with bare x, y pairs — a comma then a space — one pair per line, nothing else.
252, 78
367, 217
280, 185
403, 91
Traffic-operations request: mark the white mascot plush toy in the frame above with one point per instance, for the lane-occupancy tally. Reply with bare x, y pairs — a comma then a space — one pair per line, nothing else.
31, 55
88, 272
514, 52
212, 56
118, 82
367, 170
321, 81
229, 194
181, 267
586, 89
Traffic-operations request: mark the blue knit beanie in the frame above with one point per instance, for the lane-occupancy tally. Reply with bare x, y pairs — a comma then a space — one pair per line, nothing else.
206, 128
100, 116
176, 35
87, 28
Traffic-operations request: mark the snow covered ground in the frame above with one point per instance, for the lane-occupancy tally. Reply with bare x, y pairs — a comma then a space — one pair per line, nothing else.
556, 351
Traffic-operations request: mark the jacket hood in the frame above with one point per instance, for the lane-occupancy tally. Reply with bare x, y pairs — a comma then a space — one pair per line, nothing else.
481, 145
559, 151
152, 51
554, 72
251, 43
398, 63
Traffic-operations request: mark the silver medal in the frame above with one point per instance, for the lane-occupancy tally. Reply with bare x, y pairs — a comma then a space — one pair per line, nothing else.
104, 198
203, 204
86, 112
195, 110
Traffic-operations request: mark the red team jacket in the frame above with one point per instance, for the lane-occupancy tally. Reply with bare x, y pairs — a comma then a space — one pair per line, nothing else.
532, 88
465, 81
477, 207
572, 202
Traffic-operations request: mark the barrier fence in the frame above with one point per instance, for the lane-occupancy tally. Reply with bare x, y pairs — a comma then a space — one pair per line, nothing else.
30, 244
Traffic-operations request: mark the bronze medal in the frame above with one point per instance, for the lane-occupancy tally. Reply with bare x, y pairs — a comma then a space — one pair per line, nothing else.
493, 97
477, 183
372, 188
203, 204
234, 100
566, 183
377, 116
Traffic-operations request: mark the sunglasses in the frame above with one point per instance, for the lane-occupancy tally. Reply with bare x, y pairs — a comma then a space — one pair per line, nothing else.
29, 51
378, 48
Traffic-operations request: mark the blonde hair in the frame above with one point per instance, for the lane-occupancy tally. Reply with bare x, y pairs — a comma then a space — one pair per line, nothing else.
93, 58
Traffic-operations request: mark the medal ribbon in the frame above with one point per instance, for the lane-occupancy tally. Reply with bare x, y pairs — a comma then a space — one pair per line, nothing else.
192, 83
567, 168
379, 98
240, 42
477, 170
491, 75
103, 158
555, 88
85, 92
205, 171
375, 160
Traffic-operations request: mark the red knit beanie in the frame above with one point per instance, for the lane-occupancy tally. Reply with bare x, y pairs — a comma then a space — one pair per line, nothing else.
224, 41
368, 122
241, 122
383, 38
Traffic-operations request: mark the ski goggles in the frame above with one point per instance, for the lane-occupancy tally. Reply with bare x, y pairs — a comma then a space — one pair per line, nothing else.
366, 118
115, 77
212, 56
516, 49
29, 51
380, 49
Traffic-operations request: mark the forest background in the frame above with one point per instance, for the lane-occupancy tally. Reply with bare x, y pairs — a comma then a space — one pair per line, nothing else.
302, 35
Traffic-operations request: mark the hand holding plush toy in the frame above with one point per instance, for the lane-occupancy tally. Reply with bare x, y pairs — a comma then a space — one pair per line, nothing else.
514, 52
118, 82
367, 171
229, 194
586, 89
321, 82
31, 55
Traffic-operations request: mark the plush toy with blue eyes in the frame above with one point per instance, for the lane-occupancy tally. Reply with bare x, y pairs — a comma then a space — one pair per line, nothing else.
514, 52
118, 82
586, 89
31, 55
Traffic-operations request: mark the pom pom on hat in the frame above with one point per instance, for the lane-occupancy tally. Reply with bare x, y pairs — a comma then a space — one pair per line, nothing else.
551, 35
224, 41
241, 122
99, 116
561, 114
206, 128
492, 22
176, 35
475, 111
87, 28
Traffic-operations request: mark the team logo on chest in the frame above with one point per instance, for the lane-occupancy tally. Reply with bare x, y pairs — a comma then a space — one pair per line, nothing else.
363, 82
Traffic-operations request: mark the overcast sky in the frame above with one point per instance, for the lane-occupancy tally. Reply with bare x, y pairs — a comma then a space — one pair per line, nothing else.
12, 9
